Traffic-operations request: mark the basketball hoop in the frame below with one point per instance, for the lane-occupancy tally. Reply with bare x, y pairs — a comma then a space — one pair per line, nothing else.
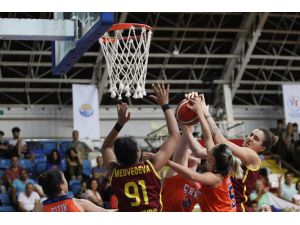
125, 47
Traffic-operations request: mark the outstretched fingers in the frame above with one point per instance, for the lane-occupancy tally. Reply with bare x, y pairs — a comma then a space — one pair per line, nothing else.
161, 93
123, 114
155, 88
191, 95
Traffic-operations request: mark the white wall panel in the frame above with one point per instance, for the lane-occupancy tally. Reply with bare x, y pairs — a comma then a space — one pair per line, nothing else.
55, 122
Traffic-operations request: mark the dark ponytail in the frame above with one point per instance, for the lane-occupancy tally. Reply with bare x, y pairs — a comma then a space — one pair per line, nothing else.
269, 138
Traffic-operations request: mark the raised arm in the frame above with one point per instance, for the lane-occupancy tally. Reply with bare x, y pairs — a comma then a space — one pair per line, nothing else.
249, 157
88, 206
194, 145
180, 151
197, 102
168, 147
207, 178
180, 156
109, 158
162, 98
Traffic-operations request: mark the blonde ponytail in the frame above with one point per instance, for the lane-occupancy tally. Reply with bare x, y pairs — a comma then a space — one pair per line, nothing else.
236, 168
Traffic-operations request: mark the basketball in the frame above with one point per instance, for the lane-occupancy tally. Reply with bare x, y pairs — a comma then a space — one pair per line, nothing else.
184, 115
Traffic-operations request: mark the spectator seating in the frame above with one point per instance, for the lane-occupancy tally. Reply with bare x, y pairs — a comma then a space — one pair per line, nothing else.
42, 148
6, 204
48, 146
70, 194
273, 166
7, 209
87, 168
273, 180
75, 186
64, 165
63, 148
4, 163
26, 164
4, 198
39, 153
40, 166
93, 155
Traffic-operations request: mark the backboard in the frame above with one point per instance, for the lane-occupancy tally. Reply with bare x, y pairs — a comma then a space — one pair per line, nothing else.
89, 27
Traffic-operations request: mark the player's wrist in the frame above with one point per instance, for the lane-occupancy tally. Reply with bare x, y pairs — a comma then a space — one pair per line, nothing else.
165, 107
118, 126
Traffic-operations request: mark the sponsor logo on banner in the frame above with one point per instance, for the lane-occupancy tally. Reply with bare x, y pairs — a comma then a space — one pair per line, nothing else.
86, 110
294, 103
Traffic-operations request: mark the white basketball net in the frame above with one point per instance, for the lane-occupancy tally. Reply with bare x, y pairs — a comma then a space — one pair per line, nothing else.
126, 55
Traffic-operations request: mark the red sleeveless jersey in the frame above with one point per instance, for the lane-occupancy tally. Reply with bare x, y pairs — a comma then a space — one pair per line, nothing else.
218, 199
180, 194
60, 204
137, 188
243, 187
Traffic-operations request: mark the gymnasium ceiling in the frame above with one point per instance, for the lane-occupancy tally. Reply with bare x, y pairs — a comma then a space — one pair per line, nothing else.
254, 53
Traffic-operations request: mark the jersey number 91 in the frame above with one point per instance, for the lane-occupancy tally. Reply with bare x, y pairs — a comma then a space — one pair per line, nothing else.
132, 190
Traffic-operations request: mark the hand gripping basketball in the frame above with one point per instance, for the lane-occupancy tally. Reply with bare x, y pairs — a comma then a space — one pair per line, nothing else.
184, 115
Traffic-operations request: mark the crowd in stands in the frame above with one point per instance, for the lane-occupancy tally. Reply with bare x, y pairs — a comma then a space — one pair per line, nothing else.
20, 166
286, 148
288, 144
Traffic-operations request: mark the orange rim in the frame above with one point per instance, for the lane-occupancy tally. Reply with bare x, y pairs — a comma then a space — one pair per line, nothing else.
124, 26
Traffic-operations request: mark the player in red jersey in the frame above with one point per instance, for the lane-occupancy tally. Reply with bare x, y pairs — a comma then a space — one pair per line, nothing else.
137, 184
180, 194
217, 192
55, 187
257, 142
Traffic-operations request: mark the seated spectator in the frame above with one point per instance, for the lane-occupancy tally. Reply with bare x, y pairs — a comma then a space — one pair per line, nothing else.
110, 200
296, 197
28, 199
295, 135
288, 147
74, 165
83, 189
17, 146
19, 185
279, 132
82, 148
265, 208
92, 193
2, 186
4, 152
286, 189
260, 194
54, 160
297, 155
263, 176
99, 172
254, 206
12, 173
